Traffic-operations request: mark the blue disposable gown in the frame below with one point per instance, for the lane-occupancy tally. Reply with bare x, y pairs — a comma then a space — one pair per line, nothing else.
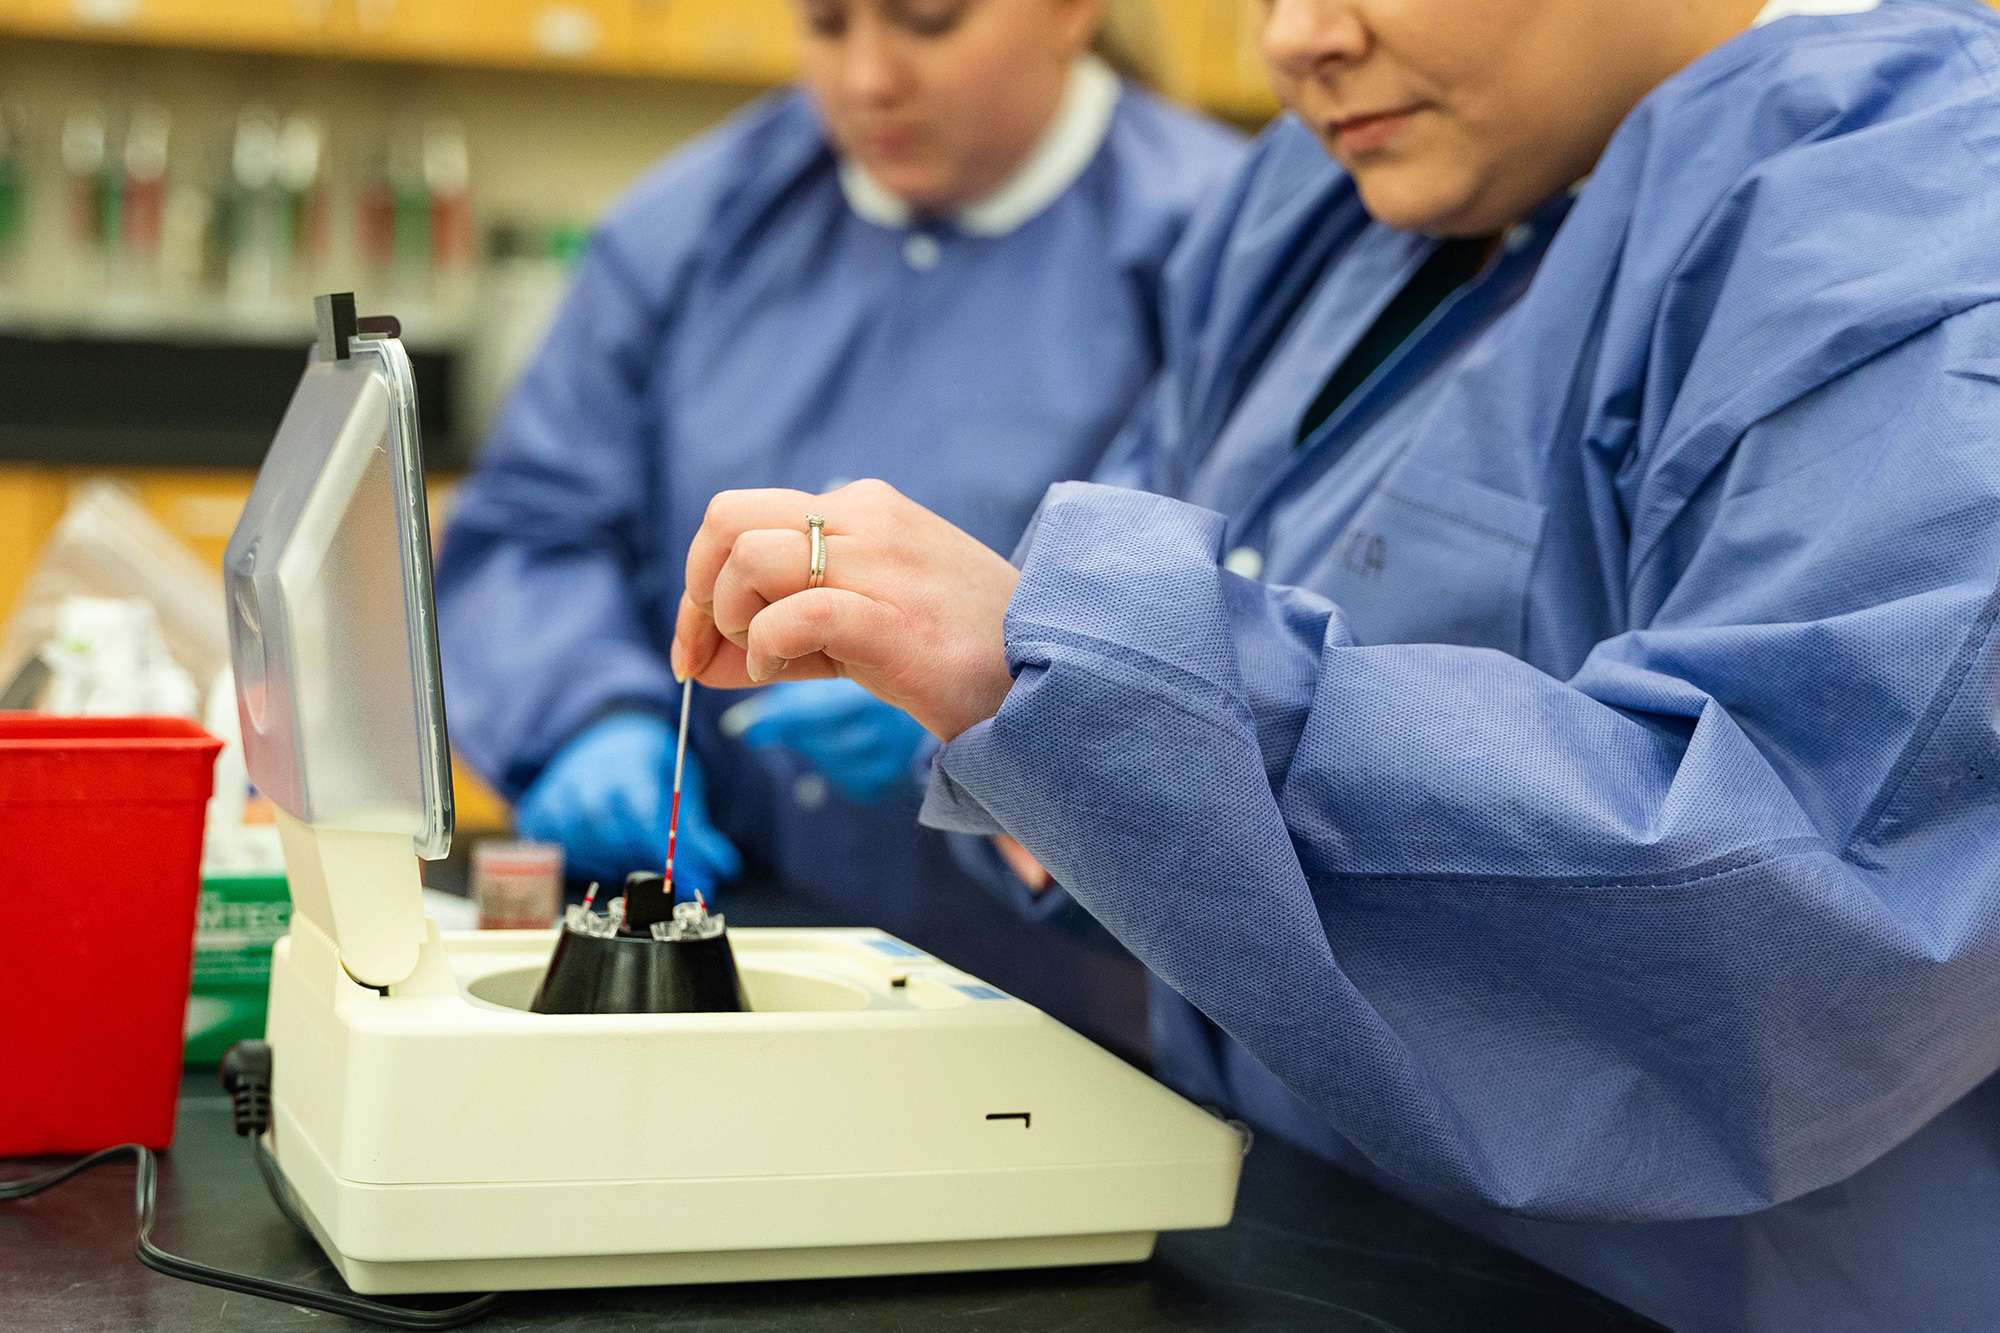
1590, 822
735, 322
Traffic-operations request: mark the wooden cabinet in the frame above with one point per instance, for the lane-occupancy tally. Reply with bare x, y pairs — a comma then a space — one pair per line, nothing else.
1234, 79
579, 34
749, 41
1174, 43
1205, 50
198, 506
252, 24
31, 500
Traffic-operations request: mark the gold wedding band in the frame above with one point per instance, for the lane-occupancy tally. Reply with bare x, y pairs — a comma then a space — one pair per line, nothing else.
816, 530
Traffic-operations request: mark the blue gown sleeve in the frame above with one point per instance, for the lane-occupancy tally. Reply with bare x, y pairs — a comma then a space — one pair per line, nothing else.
1706, 926
537, 602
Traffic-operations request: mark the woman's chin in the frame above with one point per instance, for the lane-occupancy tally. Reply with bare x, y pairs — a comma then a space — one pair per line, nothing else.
923, 189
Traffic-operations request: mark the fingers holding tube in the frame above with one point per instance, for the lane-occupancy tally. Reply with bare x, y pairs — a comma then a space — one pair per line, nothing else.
768, 565
698, 645
772, 565
764, 565
910, 609
730, 515
818, 632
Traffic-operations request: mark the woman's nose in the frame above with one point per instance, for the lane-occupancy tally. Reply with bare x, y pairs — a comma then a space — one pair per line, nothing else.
1301, 36
871, 70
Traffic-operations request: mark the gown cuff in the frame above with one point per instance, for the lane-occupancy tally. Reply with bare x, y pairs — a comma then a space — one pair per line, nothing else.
1079, 561
950, 807
969, 838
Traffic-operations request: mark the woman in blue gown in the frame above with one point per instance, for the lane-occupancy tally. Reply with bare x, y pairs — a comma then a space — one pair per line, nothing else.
937, 261
1539, 728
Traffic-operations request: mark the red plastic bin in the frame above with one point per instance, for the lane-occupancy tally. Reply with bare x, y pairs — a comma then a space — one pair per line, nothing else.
100, 866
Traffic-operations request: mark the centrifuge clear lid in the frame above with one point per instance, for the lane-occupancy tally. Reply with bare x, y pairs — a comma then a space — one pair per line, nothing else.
332, 625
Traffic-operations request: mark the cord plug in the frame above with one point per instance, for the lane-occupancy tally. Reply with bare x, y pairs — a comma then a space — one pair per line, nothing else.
246, 1077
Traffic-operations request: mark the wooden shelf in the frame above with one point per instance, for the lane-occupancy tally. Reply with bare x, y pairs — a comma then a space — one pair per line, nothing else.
1204, 50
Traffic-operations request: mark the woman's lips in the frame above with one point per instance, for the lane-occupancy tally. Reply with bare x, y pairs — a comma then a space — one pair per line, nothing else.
1358, 136
888, 144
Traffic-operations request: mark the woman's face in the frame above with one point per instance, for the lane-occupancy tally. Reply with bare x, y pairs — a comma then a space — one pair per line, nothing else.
1459, 117
940, 100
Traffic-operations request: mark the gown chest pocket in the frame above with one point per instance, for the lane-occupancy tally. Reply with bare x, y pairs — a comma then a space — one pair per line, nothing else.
1435, 558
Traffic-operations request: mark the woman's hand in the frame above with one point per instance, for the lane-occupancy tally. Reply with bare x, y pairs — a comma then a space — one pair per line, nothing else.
910, 609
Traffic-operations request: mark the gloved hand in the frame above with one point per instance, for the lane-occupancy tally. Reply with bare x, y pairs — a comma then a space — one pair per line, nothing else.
605, 797
863, 746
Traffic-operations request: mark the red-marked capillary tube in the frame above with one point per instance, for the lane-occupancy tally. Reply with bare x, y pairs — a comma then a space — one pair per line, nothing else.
674, 818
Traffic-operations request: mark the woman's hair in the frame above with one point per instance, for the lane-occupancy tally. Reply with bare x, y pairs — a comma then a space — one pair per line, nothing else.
1130, 41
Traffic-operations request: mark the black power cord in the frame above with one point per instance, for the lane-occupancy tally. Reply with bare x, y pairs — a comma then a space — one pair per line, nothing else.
246, 1073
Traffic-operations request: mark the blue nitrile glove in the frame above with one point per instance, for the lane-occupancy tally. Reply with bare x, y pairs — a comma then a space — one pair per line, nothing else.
605, 797
864, 746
